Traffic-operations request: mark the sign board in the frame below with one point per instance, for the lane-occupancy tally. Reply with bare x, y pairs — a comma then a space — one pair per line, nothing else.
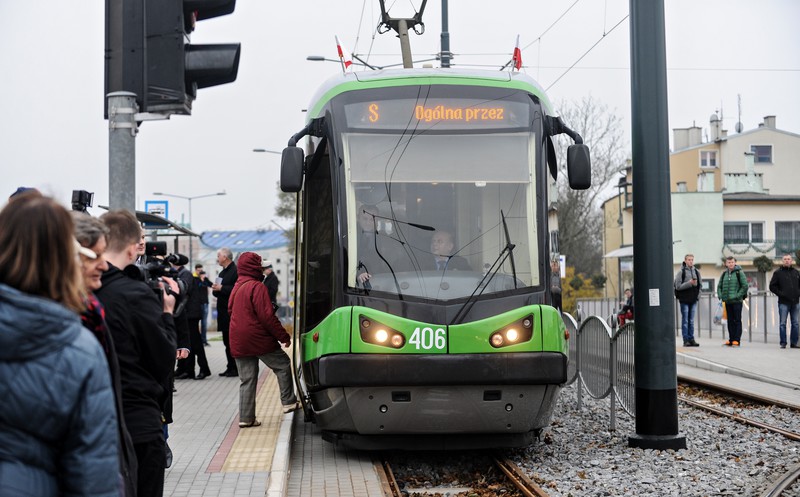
158, 208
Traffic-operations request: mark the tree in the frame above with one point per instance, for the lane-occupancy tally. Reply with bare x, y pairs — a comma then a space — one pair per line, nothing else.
287, 209
580, 219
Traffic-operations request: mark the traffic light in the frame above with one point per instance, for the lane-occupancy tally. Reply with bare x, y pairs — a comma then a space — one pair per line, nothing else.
176, 69
148, 52
125, 51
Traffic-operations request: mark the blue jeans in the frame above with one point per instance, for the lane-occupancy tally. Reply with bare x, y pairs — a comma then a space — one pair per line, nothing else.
792, 311
688, 312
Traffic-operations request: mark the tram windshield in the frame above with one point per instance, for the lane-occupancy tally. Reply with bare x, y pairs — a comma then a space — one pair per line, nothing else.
437, 188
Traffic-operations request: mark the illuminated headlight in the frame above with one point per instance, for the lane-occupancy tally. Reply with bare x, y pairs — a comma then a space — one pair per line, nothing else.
517, 332
379, 334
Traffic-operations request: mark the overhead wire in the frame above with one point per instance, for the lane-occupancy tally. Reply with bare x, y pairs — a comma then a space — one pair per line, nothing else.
587, 52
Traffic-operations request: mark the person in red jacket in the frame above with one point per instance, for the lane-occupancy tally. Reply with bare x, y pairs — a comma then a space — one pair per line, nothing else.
256, 334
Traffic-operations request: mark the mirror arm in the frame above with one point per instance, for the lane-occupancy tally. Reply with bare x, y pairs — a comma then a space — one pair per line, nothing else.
555, 126
316, 127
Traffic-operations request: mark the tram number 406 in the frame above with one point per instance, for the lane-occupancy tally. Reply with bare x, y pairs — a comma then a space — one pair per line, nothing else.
428, 338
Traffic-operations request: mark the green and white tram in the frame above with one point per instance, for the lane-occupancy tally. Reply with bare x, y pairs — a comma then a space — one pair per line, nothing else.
422, 316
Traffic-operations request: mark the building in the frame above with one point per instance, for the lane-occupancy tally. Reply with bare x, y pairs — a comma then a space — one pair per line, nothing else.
731, 195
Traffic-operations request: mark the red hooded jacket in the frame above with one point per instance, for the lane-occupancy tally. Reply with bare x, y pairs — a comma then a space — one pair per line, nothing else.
254, 328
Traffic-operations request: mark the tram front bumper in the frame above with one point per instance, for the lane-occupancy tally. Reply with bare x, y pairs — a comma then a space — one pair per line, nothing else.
518, 368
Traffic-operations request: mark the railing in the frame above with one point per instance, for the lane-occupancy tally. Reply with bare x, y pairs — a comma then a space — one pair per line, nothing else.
601, 362
601, 357
760, 319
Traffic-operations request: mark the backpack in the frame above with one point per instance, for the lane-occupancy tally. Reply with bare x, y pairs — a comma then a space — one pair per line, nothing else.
683, 280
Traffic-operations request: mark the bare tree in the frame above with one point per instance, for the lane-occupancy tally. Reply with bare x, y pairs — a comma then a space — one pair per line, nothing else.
287, 209
580, 221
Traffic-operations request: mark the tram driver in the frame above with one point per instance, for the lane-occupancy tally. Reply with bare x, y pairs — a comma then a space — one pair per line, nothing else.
442, 258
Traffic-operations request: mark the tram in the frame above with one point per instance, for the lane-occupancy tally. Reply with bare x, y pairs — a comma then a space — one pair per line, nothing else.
422, 301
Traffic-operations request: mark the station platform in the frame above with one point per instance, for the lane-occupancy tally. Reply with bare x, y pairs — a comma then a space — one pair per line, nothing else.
755, 366
285, 456
212, 456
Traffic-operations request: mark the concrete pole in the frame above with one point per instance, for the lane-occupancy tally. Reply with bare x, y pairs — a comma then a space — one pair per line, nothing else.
122, 150
654, 350
405, 45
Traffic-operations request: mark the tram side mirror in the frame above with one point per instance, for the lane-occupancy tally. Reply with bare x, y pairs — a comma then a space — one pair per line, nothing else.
579, 167
292, 169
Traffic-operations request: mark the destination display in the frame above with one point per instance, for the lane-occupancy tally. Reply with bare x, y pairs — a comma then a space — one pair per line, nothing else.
439, 114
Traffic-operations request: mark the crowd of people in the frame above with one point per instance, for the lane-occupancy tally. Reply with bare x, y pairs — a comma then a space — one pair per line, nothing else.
88, 357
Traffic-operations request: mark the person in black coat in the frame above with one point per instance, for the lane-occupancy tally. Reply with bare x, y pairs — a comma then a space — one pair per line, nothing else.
272, 282
143, 331
194, 314
442, 246
785, 283
222, 291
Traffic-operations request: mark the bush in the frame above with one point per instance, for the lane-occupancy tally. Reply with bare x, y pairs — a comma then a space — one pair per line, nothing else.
578, 287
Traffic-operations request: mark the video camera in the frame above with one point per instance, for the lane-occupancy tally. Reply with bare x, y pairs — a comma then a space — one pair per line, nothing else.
157, 264
81, 200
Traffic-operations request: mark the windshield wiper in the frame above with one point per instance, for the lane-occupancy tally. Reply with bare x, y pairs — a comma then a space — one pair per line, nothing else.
508, 251
510, 246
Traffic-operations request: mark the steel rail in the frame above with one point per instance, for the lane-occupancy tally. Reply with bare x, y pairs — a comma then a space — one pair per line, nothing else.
784, 482
518, 478
741, 419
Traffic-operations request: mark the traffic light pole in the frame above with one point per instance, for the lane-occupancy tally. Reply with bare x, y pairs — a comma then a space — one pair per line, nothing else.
122, 131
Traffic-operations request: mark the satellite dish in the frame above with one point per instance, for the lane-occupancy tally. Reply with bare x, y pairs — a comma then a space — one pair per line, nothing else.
739, 127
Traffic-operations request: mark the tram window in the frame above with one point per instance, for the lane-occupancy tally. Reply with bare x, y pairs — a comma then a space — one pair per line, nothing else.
319, 245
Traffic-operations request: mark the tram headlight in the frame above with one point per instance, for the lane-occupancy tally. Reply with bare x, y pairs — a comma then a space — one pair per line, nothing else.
513, 333
380, 334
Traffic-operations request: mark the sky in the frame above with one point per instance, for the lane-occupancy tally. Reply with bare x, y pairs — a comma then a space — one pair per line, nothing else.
726, 56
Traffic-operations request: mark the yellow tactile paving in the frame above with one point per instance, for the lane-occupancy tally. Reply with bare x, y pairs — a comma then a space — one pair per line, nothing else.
254, 447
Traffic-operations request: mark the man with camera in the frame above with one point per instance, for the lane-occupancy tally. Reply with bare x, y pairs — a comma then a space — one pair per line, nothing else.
143, 330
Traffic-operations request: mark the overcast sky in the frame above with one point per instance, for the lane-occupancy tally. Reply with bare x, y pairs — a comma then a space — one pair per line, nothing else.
53, 135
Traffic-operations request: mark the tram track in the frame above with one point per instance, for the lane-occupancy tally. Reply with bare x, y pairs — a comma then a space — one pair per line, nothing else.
786, 483
717, 394
504, 477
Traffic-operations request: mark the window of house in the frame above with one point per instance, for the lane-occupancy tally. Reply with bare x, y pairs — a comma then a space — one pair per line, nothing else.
708, 158
554, 242
763, 153
743, 232
787, 237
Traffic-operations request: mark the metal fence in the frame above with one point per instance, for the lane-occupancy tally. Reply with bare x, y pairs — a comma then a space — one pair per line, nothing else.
601, 362
601, 357
759, 316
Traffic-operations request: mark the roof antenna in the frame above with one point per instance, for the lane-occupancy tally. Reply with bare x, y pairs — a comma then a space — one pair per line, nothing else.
739, 126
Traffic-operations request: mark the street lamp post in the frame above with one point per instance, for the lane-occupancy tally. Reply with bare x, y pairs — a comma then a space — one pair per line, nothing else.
189, 199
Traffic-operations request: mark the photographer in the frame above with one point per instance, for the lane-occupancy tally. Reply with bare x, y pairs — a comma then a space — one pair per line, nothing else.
143, 331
